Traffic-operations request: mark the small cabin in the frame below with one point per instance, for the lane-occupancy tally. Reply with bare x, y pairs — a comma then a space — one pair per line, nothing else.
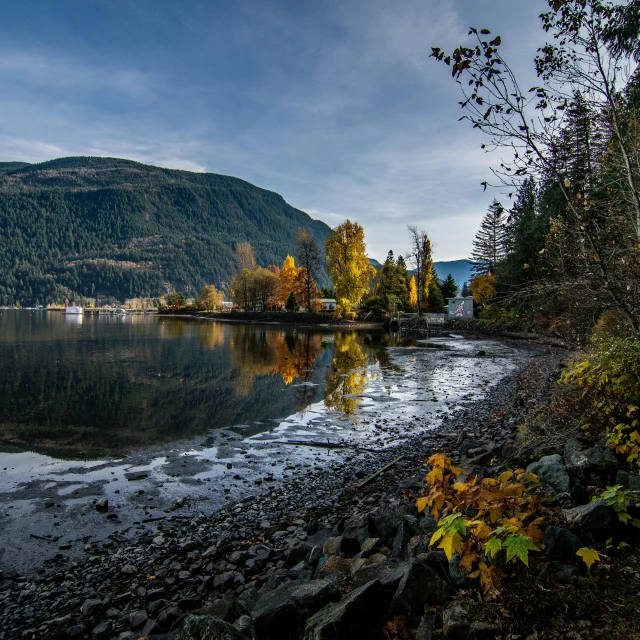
328, 304
460, 307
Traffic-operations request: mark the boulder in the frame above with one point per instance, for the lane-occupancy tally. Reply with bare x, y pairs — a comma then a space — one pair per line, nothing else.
628, 480
560, 544
332, 545
281, 614
455, 621
552, 472
358, 615
420, 586
458, 575
207, 628
405, 532
596, 517
427, 628
358, 527
389, 573
369, 547
389, 518
594, 459
334, 564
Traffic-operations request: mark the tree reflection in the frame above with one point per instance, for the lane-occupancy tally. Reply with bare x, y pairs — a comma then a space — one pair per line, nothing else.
348, 374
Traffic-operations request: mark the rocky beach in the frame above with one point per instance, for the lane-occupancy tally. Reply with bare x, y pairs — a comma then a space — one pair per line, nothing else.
335, 550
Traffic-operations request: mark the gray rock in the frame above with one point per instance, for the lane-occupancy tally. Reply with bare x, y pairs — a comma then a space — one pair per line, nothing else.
102, 631
332, 546
389, 519
389, 572
427, 525
281, 614
168, 617
76, 631
129, 570
356, 616
91, 607
455, 621
405, 532
419, 586
243, 625
207, 628
137, 618
593, 459
369, 547
551, 471
459, 576
357, 527
102, 505
596, 517
427, 628
628, 480
560, 544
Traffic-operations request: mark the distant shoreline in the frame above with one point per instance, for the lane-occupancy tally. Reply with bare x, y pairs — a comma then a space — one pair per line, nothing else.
301, 320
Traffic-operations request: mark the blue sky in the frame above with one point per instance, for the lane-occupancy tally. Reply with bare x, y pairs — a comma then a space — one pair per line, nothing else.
334, 104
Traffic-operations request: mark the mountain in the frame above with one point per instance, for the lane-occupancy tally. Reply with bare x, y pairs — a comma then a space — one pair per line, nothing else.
459, 269
90, 227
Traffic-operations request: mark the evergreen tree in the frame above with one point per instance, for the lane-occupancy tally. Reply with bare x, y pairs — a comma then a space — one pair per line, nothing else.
292, 303
489, 244
449, 287
465, 293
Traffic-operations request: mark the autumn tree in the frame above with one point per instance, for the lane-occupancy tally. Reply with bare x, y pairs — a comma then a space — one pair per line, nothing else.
347, 261
413, 293
244, 257
286, 279
308, 256
265, 286
483, 288
209, 298
420, 255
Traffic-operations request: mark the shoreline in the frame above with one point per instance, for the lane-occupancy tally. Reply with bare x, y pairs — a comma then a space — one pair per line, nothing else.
297, 503
294, 322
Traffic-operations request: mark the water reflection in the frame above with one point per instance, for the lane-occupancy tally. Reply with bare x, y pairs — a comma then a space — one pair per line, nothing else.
111, 385
348, 374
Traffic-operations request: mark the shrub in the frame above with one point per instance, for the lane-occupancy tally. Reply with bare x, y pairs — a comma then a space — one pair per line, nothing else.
486, 522
608, 380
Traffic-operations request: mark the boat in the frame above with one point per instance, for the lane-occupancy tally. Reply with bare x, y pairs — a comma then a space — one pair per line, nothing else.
74, 310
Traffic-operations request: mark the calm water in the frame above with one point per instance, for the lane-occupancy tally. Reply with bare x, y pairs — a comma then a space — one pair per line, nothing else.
96, 385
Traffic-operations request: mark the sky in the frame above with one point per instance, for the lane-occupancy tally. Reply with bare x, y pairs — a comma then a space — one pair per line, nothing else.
334, 104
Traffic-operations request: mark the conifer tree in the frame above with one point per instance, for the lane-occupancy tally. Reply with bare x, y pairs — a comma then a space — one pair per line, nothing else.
489, 244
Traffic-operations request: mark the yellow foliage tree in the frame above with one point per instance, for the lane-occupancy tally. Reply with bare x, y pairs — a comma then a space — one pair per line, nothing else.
209, 298
413, 293
483, 288
347, 262
287, 279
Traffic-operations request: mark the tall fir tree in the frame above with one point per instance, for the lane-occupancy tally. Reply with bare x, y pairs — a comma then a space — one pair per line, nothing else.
489, 244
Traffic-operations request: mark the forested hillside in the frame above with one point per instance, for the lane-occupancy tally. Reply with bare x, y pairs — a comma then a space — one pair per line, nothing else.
105, 227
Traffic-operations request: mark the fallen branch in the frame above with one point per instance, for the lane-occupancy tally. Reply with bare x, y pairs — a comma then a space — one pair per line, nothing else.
327, 445
377, 473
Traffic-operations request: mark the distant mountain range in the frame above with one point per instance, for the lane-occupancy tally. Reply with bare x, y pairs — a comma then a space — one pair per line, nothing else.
90, 227
459, 269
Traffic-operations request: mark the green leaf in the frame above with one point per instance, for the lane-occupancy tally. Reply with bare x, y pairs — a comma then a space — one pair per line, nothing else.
493, 546
518, 545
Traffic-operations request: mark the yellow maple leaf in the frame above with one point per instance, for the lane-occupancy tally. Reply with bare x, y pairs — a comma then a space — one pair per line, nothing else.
434, 475
504, 476
461, 487
421, 503
439, 460
588, 555
450, 544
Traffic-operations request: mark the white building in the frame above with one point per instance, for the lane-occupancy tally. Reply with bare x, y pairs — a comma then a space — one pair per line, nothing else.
460, 307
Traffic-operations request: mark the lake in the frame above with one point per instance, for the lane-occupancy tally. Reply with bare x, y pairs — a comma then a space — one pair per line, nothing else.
168, 417
99, 385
